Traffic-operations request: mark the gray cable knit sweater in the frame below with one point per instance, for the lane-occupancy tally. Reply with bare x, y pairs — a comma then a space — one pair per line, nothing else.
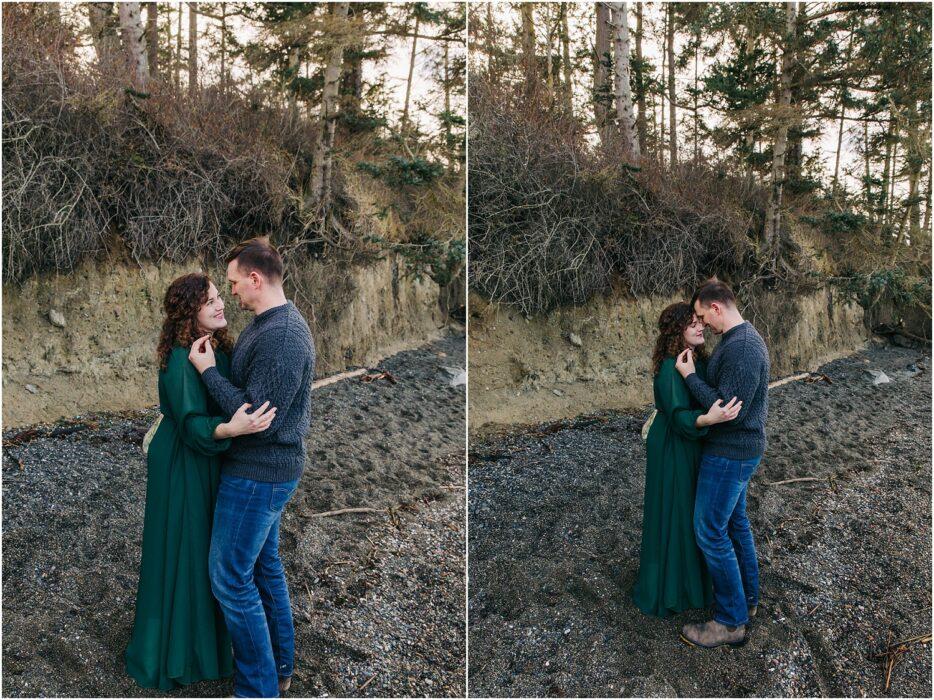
274, 360
739, 366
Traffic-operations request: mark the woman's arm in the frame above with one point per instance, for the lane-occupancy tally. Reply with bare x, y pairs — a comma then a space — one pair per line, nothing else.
675, 403
187, 399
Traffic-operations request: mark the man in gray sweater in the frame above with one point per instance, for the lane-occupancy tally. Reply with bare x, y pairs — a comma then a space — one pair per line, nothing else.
273, 361
739, 367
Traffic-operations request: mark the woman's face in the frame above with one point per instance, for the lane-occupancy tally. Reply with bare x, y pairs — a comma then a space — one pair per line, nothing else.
694, 333
211, 315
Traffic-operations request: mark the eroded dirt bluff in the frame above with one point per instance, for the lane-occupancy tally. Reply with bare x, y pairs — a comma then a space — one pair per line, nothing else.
85, 341
596, 356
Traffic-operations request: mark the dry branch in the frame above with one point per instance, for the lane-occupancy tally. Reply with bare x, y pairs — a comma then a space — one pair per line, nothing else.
792, 481
788, 380
334, 378
342, 511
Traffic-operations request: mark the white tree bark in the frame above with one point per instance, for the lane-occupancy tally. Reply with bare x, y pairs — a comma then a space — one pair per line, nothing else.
672, 107
568, 90
192, 48
134, 42
625, 114
408, 82
321, 165
529, 60
773, 212
602, 84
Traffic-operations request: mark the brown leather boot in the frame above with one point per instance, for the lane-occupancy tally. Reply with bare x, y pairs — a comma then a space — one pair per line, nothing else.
712, 634
284, 684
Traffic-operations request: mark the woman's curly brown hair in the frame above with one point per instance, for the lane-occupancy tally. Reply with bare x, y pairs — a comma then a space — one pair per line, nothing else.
671, 324
183, 299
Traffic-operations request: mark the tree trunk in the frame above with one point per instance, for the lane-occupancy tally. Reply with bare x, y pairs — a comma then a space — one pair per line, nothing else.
661, 98
408, 82
550, 49
294, 68
773, 214
223, 48
352, 74
134, 43
625, 115
192, 49
836, 160
177, 79
640, 81
867, 182
492, 74
926, 226
914, 207
673, 119
916, 156
447, 99
568, 92
882, 209
103, 23
152, 38
893, 178
528, 44
697, 40
324, 146
602, 87
794, 150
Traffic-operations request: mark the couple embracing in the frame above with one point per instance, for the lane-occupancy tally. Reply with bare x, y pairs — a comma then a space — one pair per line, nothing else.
212, 596
704, 445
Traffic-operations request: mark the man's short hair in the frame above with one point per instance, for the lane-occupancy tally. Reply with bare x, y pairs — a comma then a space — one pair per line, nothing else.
713, 290
258, 255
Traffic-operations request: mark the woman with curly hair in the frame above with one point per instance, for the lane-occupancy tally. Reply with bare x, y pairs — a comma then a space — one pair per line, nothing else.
672, 574
179, 636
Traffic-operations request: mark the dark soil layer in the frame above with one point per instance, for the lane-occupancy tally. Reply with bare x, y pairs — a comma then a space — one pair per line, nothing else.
555, 526
378, 598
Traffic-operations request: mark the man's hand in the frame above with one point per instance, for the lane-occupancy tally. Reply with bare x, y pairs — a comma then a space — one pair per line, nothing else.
685, 363
202, 354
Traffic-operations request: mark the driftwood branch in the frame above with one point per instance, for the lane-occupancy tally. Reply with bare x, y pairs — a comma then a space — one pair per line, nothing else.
337, 377
792, 481
342, 511
788, 380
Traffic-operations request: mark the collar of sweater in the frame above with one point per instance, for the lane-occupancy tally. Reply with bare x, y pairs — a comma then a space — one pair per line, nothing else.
275, 310
733, 331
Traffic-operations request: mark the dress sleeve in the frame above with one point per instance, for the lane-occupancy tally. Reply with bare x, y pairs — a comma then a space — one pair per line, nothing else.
189, 406
675, 403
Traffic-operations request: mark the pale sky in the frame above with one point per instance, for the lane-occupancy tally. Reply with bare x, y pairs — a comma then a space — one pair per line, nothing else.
395, 67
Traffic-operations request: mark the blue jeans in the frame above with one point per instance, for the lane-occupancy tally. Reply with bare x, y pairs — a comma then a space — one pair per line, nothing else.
248, 580
723, 535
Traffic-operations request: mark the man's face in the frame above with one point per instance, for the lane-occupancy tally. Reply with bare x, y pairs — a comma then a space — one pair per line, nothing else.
242, 287
711, 316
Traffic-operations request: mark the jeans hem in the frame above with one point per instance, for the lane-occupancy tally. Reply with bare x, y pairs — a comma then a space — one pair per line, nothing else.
727, 624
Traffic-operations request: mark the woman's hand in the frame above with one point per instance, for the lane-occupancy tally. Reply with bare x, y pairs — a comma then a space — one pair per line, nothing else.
719, 413
243, 423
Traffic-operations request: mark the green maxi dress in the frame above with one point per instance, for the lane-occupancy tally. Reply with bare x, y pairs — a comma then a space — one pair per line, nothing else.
672, 574
179, 635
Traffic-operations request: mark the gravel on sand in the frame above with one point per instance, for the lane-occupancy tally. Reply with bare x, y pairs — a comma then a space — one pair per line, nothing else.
555, 523
377, 596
